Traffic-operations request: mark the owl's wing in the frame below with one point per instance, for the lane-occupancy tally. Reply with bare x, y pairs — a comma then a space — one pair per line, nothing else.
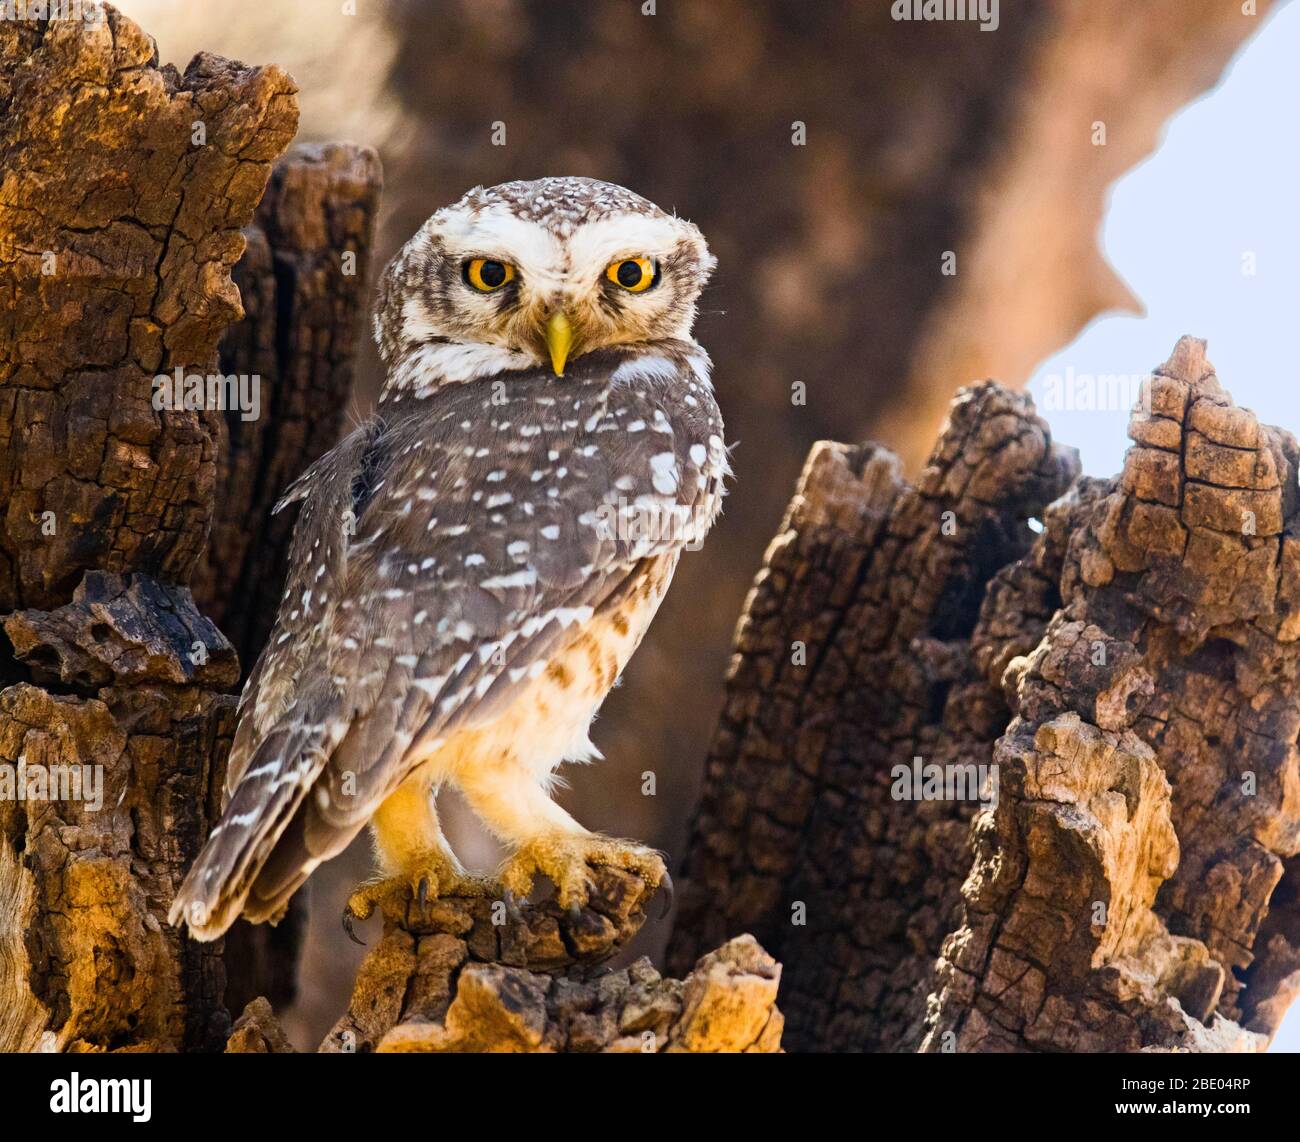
487, 534
277, 743
329, 490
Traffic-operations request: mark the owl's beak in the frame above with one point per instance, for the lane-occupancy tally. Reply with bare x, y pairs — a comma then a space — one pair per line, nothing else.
559, 340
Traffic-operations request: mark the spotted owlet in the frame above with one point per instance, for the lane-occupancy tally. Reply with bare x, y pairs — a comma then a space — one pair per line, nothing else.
472, 569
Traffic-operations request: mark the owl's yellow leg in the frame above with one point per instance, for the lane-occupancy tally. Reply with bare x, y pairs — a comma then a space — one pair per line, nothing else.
546, 839
415, 861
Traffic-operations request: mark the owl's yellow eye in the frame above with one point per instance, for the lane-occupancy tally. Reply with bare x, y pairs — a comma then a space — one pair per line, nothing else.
634, 274
485, 274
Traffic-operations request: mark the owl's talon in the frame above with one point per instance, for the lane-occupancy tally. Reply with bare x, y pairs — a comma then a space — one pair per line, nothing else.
432, 876
568, 859
575, 912
669, 894
348, 917
512, 906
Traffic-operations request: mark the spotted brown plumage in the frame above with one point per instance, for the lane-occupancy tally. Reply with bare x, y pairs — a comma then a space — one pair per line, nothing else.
471, 569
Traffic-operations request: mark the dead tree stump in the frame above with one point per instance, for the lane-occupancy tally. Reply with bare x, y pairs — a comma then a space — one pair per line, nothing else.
1130, 671
1123, 892
126, 185
854, 654
470, 974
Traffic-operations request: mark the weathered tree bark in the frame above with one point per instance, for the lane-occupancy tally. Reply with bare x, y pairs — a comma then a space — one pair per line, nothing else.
468, 975
853, 655
1132, 674
304, 280
1152, 793
124, 190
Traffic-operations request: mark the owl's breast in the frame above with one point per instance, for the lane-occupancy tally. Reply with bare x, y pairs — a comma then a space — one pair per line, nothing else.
547, 723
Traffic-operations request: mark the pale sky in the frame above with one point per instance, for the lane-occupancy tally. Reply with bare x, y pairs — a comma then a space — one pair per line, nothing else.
1222, 185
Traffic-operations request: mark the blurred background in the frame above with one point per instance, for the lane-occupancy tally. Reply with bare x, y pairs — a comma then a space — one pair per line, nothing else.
899, 207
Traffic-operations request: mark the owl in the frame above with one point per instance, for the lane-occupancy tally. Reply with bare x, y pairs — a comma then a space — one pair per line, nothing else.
473, 567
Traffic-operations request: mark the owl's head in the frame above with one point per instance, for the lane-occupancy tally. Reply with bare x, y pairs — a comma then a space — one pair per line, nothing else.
530, 273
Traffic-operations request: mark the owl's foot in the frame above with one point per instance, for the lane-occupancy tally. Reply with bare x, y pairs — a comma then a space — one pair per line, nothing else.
567, 859
430, 876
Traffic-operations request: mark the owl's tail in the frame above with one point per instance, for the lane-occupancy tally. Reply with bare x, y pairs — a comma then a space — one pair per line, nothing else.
241, 869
